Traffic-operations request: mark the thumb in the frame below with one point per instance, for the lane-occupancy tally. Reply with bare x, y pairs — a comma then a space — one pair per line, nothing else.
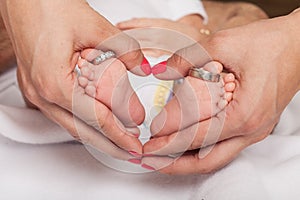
104, 36
178, 65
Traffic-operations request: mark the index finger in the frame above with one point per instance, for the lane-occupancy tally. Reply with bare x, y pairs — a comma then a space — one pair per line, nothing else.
127, 50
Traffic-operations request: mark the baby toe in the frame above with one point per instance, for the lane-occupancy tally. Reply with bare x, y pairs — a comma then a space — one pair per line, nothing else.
86, 72
230, 87
228, 96
222, 103
90, 54
83, 81
90, 90
214, 67
229, 78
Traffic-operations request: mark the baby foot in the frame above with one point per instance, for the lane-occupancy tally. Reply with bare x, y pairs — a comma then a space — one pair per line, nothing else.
108, 83
213, 97
195, 100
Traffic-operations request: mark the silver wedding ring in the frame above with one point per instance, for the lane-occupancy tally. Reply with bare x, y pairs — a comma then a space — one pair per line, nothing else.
204, 75
102, 57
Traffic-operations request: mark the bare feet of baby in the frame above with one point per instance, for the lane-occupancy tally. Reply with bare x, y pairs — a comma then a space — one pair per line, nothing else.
195, 100
108, 83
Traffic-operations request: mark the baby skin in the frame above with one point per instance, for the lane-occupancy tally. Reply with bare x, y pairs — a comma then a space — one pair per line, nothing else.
108, 83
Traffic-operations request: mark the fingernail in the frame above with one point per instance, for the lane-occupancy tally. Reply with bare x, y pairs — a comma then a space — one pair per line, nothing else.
135, 154
145, 66
159, 68
135, 161
148, 167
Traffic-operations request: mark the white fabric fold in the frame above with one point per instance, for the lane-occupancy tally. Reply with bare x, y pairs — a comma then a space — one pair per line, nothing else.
120, 10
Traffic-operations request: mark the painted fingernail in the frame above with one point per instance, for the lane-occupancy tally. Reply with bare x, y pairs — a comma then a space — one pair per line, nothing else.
148, 167
159, 68
135, 154
145, 66
135, 161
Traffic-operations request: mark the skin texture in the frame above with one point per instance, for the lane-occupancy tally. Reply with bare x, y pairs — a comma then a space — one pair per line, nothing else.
47, 42
267, 71
7, 56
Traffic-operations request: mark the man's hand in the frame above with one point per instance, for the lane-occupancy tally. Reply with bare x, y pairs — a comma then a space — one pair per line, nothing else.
264, 56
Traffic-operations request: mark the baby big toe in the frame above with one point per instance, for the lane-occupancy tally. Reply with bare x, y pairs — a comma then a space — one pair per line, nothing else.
214, 67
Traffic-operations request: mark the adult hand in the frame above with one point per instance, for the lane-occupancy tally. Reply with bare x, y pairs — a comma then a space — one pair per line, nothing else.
164, 32
264, 56
190, 28
188, 25
47, 37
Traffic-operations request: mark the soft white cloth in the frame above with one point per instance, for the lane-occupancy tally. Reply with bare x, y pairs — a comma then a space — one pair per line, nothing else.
119, 10
267, 170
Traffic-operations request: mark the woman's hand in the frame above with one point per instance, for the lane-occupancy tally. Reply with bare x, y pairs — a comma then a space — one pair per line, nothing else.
264, 57
47, 37
157, 36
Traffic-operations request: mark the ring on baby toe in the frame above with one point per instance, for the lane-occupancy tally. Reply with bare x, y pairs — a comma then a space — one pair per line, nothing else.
204, 75
104, 56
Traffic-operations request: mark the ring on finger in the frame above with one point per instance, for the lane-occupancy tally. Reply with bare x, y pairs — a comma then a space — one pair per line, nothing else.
103, 56
204, 75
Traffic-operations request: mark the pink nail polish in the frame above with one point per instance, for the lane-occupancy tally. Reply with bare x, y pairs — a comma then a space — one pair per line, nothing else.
135, 154
159, 68
145, 66
148, 167
135, 161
